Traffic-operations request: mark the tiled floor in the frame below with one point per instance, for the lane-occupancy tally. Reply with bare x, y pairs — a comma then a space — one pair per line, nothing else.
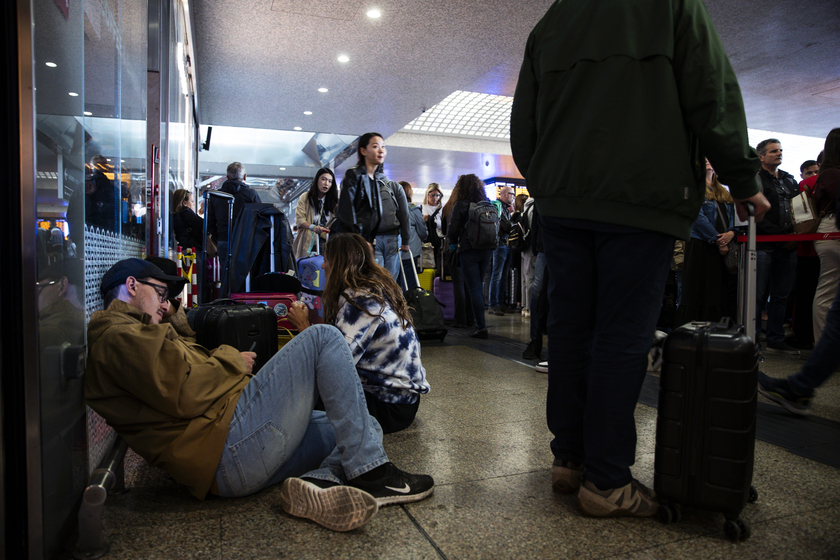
481, 433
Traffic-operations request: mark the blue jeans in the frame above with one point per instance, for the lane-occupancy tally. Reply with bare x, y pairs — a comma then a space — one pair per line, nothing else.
536, 287
605, 292
501, 258
386, 252
275, 434
776, 271
474, 263
825, 357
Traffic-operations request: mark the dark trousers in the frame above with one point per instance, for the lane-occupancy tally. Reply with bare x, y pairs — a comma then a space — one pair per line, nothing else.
474, 264
605, 293
825, 357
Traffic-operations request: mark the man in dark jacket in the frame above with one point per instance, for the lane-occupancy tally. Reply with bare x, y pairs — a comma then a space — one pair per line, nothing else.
654, 89
776, 266
217, 213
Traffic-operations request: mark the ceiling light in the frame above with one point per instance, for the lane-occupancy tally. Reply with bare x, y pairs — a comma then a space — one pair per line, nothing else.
298, 128
73, 94
374, 13
282, 169
323, 89
307, 112
51, 64
88, 113
343, 58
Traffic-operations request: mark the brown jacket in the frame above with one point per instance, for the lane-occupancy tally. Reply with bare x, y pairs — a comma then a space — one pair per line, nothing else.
171, 399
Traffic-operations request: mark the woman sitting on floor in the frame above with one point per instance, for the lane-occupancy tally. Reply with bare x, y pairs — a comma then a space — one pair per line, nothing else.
363, 301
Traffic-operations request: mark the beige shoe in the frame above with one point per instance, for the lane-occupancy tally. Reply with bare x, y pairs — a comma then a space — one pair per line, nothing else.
565, 477
632, 500
338, 507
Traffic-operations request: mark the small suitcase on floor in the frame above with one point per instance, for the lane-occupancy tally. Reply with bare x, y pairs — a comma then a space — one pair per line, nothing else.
705, 428
245, 327
425, 310
313, 280
278, 302
445, 294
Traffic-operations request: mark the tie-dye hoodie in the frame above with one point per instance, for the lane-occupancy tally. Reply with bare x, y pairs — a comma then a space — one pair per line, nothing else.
387, 357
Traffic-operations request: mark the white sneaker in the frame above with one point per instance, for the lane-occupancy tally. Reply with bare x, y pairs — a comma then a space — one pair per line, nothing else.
656, 350
541, 367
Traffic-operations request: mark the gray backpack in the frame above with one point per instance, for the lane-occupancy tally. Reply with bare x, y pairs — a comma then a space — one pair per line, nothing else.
483, 225
388, 212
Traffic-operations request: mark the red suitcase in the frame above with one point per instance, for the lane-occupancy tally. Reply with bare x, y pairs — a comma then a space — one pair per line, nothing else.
280, 303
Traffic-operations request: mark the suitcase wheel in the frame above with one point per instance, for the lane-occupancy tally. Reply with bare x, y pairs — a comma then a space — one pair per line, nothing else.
669, 513
736, 530
753, 495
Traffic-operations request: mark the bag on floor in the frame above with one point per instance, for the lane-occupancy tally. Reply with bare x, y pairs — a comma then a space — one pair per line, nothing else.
426, 313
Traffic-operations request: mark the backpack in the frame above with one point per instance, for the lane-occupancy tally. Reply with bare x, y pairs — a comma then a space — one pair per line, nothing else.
517, 238
388, 211
433, 236
482, 227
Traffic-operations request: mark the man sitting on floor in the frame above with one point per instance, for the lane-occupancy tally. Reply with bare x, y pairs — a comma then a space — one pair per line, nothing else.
217, 427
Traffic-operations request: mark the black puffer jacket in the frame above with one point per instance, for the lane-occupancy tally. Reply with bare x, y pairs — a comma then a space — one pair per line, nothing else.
359, 203
217, 213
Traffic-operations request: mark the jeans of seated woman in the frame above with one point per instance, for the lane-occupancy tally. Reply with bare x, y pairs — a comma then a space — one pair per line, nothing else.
275, 434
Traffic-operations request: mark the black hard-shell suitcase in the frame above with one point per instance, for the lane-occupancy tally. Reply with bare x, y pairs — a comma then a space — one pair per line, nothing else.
426, 313
705, 429
246, 327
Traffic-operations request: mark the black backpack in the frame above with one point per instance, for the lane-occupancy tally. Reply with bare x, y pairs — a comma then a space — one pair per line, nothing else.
482, 225
517, 238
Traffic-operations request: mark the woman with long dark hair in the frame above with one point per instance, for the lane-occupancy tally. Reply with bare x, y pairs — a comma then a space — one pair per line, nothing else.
362, 300
463, 308
315, 212
825, 200
709, 290
473, 262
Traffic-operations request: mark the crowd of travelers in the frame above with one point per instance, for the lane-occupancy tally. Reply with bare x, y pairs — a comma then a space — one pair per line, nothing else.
593, 252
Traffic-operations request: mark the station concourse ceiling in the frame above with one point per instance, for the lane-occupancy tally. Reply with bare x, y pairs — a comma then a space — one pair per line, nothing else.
259, 64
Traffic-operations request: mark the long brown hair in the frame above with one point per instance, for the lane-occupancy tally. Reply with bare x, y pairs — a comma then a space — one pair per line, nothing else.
469, 187
716, 192
178, 199
353, 268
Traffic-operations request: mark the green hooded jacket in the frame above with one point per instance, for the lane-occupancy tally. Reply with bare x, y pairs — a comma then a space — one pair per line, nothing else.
618, 102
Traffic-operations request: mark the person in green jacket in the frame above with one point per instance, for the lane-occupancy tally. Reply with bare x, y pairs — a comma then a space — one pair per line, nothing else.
617, 104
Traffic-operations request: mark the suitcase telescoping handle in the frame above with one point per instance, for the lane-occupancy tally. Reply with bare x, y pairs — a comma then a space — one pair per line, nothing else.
207, 195
747, 277
416, 277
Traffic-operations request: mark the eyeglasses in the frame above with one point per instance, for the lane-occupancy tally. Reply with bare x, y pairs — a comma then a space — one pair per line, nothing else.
436, 195
162, 296
41, 286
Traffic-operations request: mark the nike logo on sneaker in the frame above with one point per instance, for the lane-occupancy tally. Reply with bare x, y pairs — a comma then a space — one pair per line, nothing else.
404, 490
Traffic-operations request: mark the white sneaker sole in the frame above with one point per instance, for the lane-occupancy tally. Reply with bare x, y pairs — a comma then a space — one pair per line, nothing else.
339, 508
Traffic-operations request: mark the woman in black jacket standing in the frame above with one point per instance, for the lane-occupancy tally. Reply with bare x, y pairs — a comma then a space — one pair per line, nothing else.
188, 226
474, 262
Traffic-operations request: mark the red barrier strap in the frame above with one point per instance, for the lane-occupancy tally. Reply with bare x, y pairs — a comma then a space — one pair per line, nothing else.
792, 237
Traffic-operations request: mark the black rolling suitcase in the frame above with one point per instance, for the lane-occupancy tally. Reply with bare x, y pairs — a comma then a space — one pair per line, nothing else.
426, 313
705, 429
246, 327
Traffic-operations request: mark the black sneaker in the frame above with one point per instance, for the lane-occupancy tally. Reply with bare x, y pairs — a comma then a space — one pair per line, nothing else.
533, 350
389, 485
479, 333
496, 311
782, 348
336, 507
779, 391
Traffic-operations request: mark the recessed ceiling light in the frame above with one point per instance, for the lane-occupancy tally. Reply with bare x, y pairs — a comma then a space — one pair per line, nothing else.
298, 128
73, 94
307, 112
88, 113
374, 13
51, 64
343, 58
282, 169
323, 89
